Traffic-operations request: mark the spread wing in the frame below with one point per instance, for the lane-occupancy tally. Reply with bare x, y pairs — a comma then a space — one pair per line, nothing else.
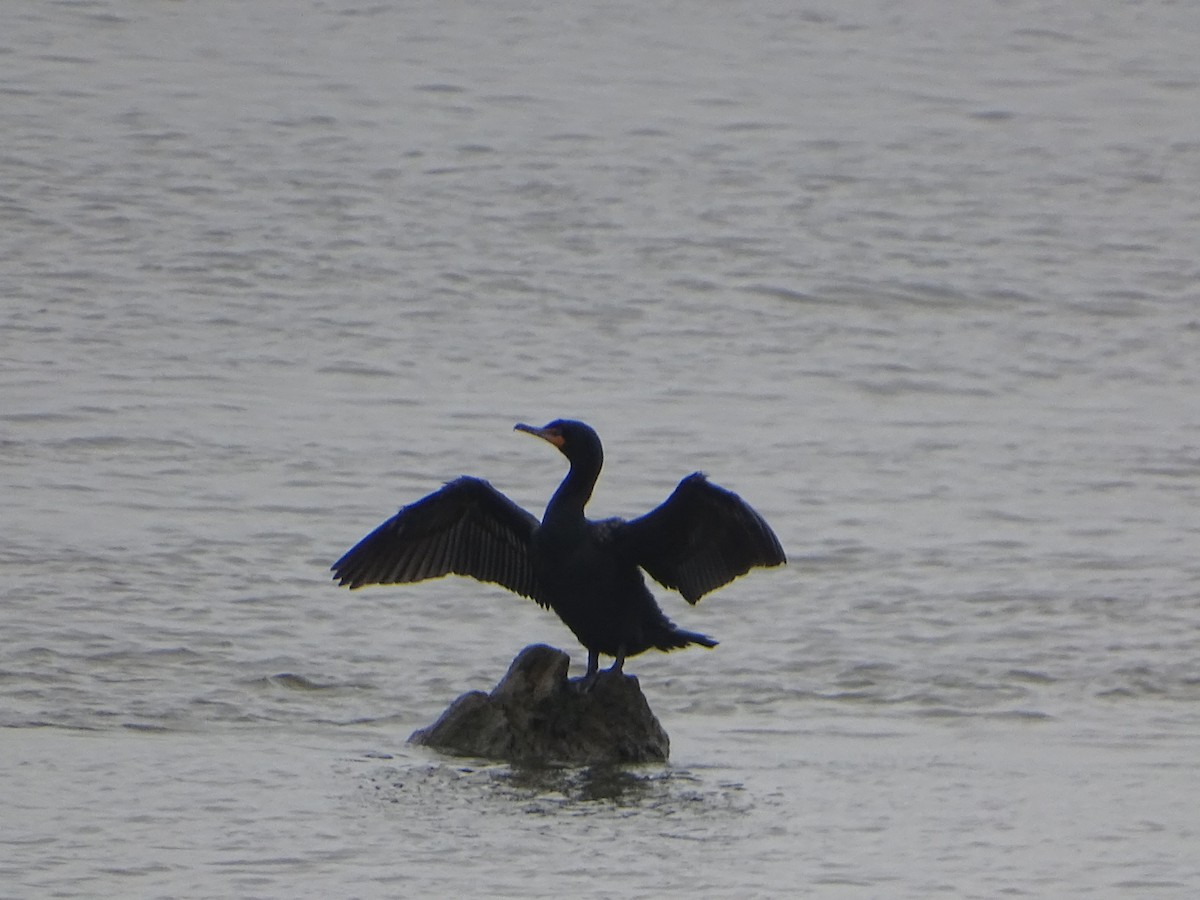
700, 538
465, 528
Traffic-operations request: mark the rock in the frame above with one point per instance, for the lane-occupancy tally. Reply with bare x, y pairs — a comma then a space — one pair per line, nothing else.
537, 715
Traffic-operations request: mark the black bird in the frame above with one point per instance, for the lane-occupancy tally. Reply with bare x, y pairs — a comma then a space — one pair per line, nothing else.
589, 572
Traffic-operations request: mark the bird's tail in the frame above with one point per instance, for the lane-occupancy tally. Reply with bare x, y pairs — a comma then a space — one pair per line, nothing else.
677, 638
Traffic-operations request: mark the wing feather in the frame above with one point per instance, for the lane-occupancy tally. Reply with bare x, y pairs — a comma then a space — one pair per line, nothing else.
465, 528
700, 538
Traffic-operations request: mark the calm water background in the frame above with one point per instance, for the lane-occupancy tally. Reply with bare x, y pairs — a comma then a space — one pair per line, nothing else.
919, 281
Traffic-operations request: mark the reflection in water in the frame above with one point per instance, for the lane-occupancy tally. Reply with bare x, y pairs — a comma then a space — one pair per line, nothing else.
618, 785
554, 789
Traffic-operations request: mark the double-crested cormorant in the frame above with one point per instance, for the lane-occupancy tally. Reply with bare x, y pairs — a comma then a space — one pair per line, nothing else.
589, 572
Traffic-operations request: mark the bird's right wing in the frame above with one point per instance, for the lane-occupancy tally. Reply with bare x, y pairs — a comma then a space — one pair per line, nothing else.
465, 528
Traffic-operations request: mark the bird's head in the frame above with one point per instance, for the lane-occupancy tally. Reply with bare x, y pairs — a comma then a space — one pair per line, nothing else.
577, 441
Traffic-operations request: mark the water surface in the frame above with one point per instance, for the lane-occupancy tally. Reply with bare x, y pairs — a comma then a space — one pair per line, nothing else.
920, 287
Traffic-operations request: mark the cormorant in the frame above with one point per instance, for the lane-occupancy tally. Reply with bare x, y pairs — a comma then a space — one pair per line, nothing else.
589, 572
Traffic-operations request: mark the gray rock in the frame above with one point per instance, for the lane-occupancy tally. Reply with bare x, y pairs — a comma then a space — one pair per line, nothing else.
537, 715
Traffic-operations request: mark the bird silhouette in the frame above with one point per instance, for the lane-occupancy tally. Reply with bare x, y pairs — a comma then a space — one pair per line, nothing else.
589, 572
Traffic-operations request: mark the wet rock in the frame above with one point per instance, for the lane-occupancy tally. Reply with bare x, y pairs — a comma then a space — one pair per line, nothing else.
537, 715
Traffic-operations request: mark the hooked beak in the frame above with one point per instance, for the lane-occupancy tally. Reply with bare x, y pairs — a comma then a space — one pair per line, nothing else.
546, 434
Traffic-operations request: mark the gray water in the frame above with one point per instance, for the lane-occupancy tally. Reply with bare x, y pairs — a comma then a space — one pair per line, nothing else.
918, 281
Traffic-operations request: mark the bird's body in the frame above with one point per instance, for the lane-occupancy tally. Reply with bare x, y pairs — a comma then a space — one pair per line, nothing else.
600, 594
588, 572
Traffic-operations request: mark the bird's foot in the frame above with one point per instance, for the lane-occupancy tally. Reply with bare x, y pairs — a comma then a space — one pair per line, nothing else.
588, 681
585, 684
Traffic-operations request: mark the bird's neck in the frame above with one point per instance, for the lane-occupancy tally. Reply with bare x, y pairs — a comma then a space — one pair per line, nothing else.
566, 506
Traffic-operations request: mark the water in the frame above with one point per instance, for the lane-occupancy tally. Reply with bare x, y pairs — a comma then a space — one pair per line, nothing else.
922, 287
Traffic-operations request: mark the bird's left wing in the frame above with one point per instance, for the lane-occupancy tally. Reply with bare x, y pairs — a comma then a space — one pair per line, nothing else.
699, 538
465, 528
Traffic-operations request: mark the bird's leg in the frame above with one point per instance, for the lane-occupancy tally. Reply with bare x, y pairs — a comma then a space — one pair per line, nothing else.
618, 665
588, 681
